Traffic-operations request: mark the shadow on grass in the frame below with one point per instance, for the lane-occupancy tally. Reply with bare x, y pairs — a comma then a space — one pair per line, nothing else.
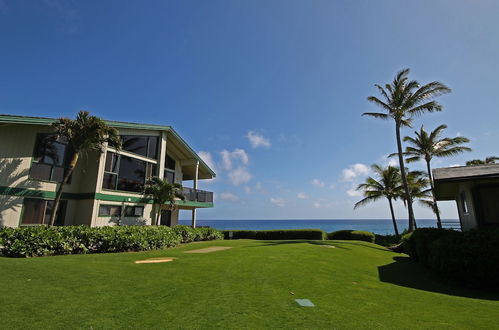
405, 272
363, 245
298, 241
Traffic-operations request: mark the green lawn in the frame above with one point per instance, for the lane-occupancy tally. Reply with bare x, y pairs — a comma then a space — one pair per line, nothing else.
355, 285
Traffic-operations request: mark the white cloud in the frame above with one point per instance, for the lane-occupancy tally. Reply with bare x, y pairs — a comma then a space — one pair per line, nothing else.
257, 140
247, 189
354, 171
239, 175
455, 165
317, 205
227, 196
237, 155
352, 192
318, 183
302, 195
278, 201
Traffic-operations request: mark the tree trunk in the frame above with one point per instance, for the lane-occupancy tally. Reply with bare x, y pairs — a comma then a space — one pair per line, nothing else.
393, 218
58, 195
435, 206
158, 214
408, 198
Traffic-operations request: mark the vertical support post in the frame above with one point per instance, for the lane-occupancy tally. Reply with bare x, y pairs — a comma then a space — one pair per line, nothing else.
196, 176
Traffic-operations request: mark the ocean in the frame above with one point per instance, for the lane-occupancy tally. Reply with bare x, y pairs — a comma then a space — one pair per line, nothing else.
382, 227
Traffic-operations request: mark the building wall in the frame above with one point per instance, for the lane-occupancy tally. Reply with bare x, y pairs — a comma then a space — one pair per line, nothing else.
17, 142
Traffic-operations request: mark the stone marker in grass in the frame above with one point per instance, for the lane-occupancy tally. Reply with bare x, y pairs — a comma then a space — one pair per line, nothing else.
304, 303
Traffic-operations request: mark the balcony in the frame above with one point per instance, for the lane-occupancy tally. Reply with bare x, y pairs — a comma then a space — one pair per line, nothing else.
196, 195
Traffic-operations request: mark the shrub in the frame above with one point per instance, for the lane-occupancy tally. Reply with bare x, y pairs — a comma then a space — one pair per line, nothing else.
386, 240
44, 241
355, 235
409, 246
313, 234
423, 238
471, 257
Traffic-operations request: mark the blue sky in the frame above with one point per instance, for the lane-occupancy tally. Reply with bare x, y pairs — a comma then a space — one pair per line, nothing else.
270, 92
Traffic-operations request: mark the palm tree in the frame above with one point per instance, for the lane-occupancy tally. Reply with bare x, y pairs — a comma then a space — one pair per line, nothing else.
418, 187
425, 146
488, 160
403, 100
163, 194
387, 186
83, 135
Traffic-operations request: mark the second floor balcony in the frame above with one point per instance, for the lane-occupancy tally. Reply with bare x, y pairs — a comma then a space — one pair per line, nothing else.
197, 195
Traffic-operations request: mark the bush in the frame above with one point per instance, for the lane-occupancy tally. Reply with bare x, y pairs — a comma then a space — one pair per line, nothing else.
355, 235
44, 241
423, 238
386, 240
471, 257
313, 234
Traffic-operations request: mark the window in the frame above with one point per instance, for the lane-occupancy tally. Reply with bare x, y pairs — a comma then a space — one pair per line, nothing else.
126, 173
170, 163
51, 158
134, 211
110, 211
146, 146
170, 176
464, 203
38, 211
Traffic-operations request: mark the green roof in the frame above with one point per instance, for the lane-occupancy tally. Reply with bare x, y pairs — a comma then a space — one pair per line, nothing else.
14, 119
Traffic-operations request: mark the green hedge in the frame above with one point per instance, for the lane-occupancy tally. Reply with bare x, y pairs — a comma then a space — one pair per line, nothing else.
386, 240
45, 241
355, 235
470, 257
314, 234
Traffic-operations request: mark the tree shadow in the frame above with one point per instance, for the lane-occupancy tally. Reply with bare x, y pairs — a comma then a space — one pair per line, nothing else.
367, 245
298, 241
13, 183
407, 273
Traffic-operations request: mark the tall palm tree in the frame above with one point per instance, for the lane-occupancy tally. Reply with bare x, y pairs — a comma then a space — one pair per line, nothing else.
488, 160
403, 100
163, 194
426, 145
84, 134
389, 186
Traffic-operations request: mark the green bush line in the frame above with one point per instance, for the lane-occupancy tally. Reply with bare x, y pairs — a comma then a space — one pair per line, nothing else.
470, 257
47, 241
314, 234
356, 235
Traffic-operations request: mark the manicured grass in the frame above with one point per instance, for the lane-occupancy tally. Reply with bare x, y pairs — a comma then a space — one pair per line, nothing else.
355, 285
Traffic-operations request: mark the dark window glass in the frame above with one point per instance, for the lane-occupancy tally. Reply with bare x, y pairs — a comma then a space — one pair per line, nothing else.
111, 162
51, 157
38, 211
33, 211
131, 175
170, 176
109, 181
135, 143
152, 149
40, 171
109, 211
170, 163
134, 211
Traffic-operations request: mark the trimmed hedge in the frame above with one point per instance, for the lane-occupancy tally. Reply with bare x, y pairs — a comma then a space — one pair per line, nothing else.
355, 235
314, 234
46, 241
470, 257
386, 240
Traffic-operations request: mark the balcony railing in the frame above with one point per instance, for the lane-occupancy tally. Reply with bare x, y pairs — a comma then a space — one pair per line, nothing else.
196, 195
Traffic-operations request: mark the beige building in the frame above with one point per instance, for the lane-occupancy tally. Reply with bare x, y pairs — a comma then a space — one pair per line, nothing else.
105, 189
475, 190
